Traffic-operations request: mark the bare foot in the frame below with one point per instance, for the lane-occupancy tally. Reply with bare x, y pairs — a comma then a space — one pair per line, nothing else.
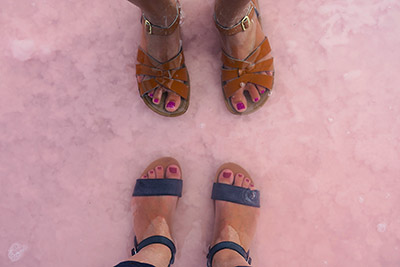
239, 46
153, 215
162, 48
233, 222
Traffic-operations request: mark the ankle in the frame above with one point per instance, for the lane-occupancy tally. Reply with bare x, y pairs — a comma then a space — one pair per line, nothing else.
227, 17
228, 258
162, 15
155, 254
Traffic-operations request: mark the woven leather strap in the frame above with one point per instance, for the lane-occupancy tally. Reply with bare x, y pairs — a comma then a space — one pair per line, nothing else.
171, 75
235, 71
242, 25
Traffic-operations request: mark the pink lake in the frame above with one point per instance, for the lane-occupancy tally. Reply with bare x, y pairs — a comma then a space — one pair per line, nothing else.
324, 150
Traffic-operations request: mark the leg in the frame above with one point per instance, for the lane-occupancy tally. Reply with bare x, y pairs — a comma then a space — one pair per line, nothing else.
233, 222
240, 45
161, 13
153, 215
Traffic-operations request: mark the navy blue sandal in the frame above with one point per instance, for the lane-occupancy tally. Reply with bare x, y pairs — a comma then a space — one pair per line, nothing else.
238, 195
158, 187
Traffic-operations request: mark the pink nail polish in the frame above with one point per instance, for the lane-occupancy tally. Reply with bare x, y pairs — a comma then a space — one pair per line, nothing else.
240, 175
144, 176
171, 104
226, 174
256, 99
252, 185
247, 180
156, 100
173, 169
262, 91
159, 167
240, 106
151, 95
151, 172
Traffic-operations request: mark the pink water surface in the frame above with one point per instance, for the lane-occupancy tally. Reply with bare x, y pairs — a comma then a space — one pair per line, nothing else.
74, 134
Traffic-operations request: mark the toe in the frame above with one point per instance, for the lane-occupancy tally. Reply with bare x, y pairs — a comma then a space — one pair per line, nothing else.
157, 95
225, 177
255, 96
246, 182
159, 171
173, 172
238, 179
144, 176
172, 102
151, 93
152, 174
239, 101
261, 89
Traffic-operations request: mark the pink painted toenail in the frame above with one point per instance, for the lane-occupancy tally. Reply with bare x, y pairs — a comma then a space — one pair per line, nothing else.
151, 95
256, 99
247, 180
171, 104
173, 169
159, 167
240, 175
156, 100
252, 185
226, 174
262, 91
144, 176
151, 172
240, 106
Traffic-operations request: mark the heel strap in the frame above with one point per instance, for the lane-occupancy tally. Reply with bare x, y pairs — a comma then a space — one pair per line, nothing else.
150, 28
242, 25
227, 245
156, 239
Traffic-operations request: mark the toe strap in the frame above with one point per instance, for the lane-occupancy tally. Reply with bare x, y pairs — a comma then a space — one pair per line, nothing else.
251, 69
236, 194
227, 245
171, 75
158, 187
157, 239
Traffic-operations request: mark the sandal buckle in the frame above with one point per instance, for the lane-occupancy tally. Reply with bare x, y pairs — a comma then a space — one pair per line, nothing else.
148, 24
246, 18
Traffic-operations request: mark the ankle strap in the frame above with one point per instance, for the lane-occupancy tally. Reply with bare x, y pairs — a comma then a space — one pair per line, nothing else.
227, 245
158, 30
156, 239
242, 25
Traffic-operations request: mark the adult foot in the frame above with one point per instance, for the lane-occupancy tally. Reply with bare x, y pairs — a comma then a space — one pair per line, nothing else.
162, 48
233, 222
240, 45
153, 215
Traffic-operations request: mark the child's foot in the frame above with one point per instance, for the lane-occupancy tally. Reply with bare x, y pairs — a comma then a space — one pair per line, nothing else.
233, 222
162, 48
153, 215
239, 46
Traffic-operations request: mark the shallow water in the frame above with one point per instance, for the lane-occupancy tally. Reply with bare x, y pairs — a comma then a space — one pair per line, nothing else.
74, 134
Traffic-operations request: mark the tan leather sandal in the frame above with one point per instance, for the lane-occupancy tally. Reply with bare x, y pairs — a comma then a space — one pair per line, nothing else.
171, 75
236, 72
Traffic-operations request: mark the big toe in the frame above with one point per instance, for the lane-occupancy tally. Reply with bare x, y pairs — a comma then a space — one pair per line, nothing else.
225, 176
239, 101
173, 172
172, 102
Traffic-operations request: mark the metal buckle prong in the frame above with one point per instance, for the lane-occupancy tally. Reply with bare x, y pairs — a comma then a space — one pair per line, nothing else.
147, 23
243, 21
